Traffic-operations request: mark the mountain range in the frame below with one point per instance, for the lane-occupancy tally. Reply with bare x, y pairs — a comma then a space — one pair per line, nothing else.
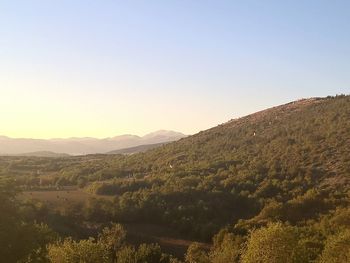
288, 164
82, 146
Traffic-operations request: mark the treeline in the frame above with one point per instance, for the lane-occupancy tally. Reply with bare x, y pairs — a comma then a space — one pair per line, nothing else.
326, 240
23, 240
284, 168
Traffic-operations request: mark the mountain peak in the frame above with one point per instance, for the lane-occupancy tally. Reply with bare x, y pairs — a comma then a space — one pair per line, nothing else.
84, 145
165, 133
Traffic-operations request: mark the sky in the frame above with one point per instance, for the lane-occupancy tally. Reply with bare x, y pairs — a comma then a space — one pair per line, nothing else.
88, 68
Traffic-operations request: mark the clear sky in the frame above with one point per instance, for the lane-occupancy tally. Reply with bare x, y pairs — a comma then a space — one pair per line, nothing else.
102, 68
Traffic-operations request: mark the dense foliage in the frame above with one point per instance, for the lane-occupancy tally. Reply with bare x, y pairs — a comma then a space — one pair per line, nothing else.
283, 172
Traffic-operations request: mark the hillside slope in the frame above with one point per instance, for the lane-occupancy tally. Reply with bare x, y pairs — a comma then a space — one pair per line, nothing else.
289, 163
312, 134
137, 149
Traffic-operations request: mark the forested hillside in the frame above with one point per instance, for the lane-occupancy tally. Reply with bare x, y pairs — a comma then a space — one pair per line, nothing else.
279, 177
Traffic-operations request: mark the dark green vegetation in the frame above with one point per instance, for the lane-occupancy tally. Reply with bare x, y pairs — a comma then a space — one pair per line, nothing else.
137, 149
270, 187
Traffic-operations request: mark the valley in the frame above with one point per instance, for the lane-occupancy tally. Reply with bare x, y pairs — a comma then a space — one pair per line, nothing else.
282, 170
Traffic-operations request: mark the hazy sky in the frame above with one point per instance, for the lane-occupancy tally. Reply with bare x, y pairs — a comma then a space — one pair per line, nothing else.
103, 68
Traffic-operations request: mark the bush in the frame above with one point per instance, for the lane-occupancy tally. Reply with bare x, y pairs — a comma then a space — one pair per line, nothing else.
86, 251
275, 243
337, 248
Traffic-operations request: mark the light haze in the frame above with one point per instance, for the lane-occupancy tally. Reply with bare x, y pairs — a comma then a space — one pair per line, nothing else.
103, 68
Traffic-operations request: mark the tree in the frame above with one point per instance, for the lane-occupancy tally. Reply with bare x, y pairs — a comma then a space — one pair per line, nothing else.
9, 221
149, 253
109, 248
337, 248
126, 254
37, 238
196, 254
226, 248
20, 241
113, 238
275, 243
83, 251
146, 253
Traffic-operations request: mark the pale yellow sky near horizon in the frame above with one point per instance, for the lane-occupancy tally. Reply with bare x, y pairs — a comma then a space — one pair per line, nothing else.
106, 68
40, 113
65, 111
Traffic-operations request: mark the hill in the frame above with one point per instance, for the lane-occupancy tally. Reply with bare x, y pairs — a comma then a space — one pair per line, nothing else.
290, 163
44, 154
81, 146
311, 134
137, 149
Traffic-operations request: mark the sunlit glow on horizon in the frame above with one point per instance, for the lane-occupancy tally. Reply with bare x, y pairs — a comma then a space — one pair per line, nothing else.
77, 69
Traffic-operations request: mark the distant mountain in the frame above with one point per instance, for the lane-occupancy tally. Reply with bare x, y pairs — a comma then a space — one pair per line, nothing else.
81, 146
44, 154
162, 136
137, 149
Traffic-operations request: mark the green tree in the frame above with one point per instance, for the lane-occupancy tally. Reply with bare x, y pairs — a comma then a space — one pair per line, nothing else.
126, 254
196, 254
146, 253
20, 241
9, 222
83, 251
226, 248
38, 237
113, 238
149, 253
275, 243
337, 248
